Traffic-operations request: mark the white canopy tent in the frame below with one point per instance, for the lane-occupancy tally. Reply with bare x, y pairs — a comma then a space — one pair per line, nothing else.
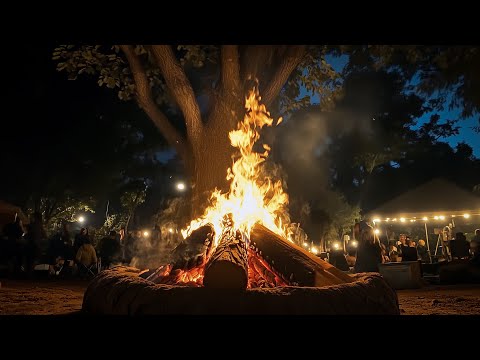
438, 201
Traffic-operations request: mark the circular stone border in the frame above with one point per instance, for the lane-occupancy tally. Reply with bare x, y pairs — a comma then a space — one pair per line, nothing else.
120, 291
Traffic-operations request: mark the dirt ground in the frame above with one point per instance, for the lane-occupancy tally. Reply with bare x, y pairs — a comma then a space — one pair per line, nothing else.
61, 297
41, 297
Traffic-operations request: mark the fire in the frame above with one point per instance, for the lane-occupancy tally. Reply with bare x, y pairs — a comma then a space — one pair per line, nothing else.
253, 197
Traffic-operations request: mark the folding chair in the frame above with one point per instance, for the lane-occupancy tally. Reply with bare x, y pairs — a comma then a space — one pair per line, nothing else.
90, 270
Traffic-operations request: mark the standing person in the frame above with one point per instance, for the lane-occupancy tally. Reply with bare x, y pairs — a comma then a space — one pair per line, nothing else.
447, 236
402, 244
369, 253
14, 243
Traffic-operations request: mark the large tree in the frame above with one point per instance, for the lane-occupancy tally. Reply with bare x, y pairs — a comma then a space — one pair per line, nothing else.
195, 94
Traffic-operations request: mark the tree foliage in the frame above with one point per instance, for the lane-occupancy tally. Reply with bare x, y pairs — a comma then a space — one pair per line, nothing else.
60, 209
437, 72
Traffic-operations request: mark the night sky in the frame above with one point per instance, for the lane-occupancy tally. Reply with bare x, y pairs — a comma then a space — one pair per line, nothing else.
466, 133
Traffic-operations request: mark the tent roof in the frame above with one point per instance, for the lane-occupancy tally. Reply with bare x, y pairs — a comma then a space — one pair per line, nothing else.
433, 197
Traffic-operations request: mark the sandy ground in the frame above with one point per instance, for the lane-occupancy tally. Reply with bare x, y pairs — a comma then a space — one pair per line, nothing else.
59, 297
441, 300
41, 297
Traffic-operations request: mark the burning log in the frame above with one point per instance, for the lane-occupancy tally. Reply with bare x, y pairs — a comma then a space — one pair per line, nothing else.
260, 273
294, 263
186, 253
169, 273
228, 266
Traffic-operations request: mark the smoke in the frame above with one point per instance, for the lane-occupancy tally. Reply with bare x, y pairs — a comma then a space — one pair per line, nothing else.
302, 147
162, 243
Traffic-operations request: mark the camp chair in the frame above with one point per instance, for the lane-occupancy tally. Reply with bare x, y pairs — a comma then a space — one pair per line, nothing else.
91, 270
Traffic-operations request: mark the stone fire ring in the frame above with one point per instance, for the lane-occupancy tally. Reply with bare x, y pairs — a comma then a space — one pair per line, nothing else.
120, 291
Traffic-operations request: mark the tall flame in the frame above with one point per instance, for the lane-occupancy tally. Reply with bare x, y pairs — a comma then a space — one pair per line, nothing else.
253, 197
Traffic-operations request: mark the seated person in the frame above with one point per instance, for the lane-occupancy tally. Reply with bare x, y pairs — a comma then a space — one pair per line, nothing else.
409, 253
109, 249
422, 251
459, 247
393, 253
86, 256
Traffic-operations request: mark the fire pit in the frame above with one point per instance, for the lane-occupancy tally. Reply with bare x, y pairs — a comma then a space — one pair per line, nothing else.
120, 291
291, 281
246, 264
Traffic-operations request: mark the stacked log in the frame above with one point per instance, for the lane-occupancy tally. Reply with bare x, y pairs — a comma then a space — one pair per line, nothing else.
293, 263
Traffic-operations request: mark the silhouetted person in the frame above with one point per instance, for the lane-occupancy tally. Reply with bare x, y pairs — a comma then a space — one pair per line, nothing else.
475, 243
369, 253
86, 257
35, 236
393, 253
60, 246
401, 244
109, 248
14, 244
459, 247
409, 253
423, 251
80, 239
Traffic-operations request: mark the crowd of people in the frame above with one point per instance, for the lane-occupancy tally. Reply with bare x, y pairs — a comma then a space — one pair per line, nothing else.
23, 247
369, 252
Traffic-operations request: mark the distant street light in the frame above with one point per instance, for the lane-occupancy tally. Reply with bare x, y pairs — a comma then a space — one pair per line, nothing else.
145, 233
81, 219
180, 186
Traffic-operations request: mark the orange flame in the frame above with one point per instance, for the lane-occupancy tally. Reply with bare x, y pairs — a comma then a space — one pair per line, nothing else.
253, 197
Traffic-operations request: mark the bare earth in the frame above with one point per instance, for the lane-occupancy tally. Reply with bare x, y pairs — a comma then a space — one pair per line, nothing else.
61, 297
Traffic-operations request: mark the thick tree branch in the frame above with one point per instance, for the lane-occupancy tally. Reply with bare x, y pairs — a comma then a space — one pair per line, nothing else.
292, 58
144, 98
180, 87
230, 69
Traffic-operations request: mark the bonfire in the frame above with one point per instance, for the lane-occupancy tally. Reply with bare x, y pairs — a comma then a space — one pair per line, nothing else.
243, 233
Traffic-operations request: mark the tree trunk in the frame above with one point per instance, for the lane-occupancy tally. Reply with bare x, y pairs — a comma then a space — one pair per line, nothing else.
228, 266
294, 263
213, 155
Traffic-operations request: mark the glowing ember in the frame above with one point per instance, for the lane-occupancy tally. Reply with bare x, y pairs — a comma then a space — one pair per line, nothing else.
253, 197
